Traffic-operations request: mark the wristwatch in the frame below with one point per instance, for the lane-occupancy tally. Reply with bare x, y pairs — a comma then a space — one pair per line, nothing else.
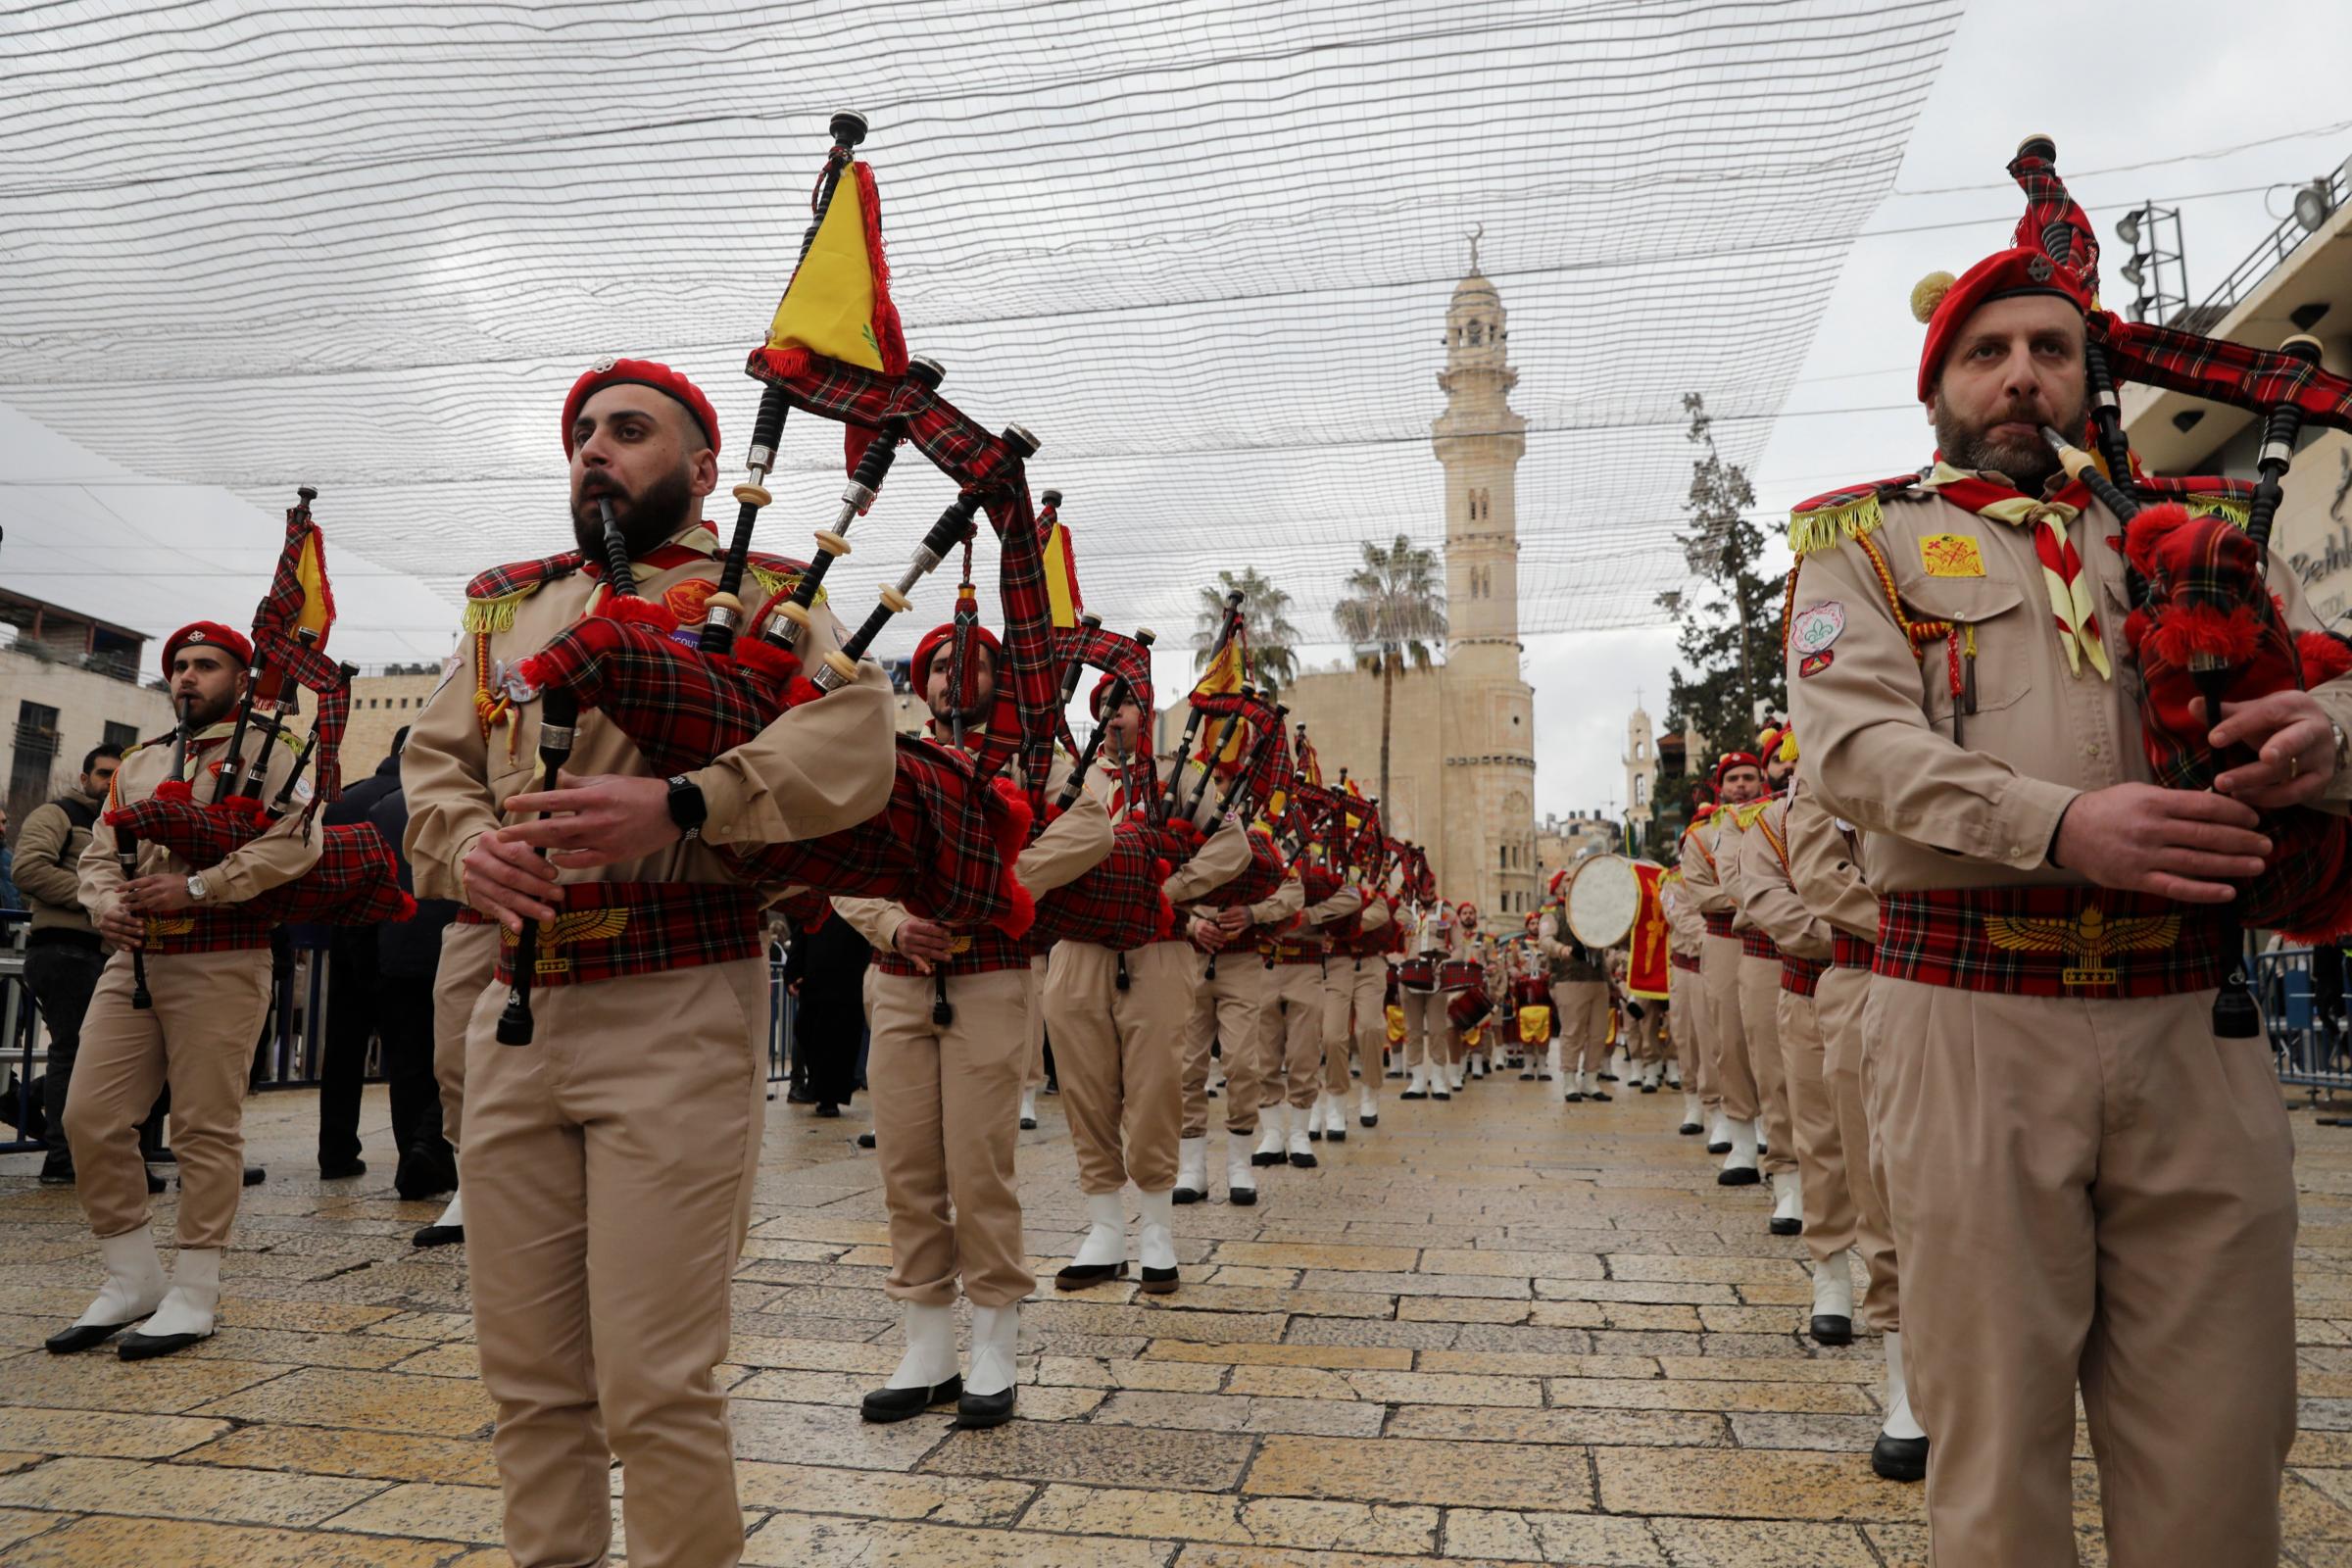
687, 807
196, 886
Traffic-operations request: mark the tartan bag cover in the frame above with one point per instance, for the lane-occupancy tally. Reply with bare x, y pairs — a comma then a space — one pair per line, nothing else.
607, 930
1301, 943
2093, 943
1256, 882
1118, 903
1802, 977
1718, 925
355, 882
2207, 597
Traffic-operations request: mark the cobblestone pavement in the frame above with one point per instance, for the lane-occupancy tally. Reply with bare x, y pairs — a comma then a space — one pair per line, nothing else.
1496, 1329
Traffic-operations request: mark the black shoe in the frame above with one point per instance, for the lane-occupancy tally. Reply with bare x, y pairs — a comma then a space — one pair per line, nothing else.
135, 1346
339, 1170
1414, 1093
1606, 1077
1692, 1129
1789, 1227
1738, 1176
884, 1406
1543, 1077
827, 1110
1439, 1094
1719, 1148
1650, 1089
57, 1168
1832, 1331
1078, 1276
1303, 1161
796, 1095
1526, 1077
1053, 1086
425, 1173
1241, 1197
255, 1175
1573, 1095
1261, 1159
1028, 1124
1339, 1135
1372, 1120
1185, 1194
1596, 1095
974, 1411
1314, 1135
438, 1235
865, 1140
82, 1336
1397, 1073
1209, 1092
1899, 1458
1159, 1282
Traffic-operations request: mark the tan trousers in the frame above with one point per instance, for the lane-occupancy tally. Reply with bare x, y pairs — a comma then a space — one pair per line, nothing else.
1829, 1225
1760, 1031
1033, 1076
1354, 1024
1371, 992
468, 965
1846, 1055
198, 1038
1584, 1009
946, 1115
1424, 1026
1686, 1011
608, 1169
2097, 1191
1119, 1058
1224, 1008
1721, 1035
1291, 1035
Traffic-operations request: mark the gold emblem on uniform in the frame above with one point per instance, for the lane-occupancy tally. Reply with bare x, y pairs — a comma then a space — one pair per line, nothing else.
2088, 937
177, 925
582, 925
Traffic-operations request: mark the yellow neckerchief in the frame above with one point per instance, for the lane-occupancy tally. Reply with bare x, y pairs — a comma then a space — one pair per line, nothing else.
2072, 605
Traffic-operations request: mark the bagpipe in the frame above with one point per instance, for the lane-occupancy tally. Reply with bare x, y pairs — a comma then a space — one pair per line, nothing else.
357, 878
2204, 624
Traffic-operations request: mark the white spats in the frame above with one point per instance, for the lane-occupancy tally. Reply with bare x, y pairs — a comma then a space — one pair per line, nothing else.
930, 1358
1241, 1182
1901, 1423
195, 1294
135, 1281
1155, 1231
1105, 1241
995, 1348
1191, 1170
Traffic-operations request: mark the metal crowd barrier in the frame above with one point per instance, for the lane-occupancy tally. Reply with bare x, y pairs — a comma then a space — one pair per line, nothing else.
2306, 1018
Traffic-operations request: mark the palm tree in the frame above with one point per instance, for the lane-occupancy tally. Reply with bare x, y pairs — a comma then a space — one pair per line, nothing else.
1394, 612
1265, 624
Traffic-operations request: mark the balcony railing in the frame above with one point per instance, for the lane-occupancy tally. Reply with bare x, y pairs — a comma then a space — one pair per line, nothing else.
2282, 243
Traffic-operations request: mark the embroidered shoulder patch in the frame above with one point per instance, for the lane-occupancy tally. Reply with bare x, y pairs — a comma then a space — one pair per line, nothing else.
1813, 664
1815, 627
1951, 554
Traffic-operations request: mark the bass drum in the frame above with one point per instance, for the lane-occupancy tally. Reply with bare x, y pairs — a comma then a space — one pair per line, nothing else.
1604, 898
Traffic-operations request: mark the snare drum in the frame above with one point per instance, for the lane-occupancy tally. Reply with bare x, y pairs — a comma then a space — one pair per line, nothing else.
1468, 1009
1417, 974
1457, 974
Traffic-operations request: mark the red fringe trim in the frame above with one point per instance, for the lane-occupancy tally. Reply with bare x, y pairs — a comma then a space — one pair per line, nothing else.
2325, 658
801, 689
2136, 630
631, 611
1012, 819
889, 335
2187, 631
2145, 538
1165, 926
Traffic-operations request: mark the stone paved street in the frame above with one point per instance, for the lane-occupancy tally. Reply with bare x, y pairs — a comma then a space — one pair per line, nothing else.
1500, 1330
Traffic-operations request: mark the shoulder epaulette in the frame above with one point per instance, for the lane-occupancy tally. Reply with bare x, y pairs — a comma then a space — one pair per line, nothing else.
777, 575
491, 598
2204, 495
1746, 815
1829, 521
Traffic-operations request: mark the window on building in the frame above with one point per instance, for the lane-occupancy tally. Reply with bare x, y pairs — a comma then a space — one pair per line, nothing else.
124, 736
35, 757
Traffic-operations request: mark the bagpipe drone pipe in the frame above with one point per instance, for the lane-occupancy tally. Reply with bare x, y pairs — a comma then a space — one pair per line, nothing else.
356, 880
2205, 624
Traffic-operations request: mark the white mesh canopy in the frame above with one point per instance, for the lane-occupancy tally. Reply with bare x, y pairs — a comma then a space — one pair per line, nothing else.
1204, 250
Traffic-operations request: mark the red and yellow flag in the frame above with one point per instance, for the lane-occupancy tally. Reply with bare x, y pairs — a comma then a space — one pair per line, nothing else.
1222, 676
1646, 965
838, 303
1062, 577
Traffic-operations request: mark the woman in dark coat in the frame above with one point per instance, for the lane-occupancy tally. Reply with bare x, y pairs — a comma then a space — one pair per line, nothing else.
824, 969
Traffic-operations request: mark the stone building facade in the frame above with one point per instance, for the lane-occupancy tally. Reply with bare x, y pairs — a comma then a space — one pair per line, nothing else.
1462, 765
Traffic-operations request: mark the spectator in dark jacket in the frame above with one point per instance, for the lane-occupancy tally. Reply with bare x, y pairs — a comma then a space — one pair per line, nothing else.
824, 969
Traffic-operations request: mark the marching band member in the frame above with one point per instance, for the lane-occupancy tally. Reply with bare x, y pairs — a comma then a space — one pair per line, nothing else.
1468, 972
1431, 940
1354, 1013
1686, 995
1738, 779
1580, 997
1291, 1026
1759, 997
1231, 995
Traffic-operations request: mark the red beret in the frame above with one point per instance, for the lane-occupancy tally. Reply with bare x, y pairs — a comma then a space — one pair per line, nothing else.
208, 634
1095, 698
1732, 759
919, 668
1944, 302
640, 373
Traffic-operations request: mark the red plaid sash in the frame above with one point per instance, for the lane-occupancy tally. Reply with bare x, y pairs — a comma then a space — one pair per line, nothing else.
2085, 942
982, 951
1755, 944
1718, 925
1684, 960
1118, 903
1851, 952
218, 928
607, 930
1802, 977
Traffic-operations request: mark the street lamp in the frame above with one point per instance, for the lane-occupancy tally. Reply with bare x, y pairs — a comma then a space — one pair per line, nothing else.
2313, 203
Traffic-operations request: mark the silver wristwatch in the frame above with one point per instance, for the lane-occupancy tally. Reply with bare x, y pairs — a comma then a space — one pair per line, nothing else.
196, 886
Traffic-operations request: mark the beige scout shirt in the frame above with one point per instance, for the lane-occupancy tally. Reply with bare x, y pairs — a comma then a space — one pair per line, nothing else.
1729, 838
1562, 959
1682, 925
1769, 896
276, 857
47, 868
1701, 869
817, 769
1823, 870
1878, 722
1072, 845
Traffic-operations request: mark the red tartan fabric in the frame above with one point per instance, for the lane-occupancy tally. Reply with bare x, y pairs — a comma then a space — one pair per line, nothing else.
1257, 882
1802, 977
680, 706
355, 882
516, 575
1684, 960
1268, 749
2245, 377
1718, 925
1118, 903
1111, 652
2048, 206
1755, 944
229, 929
1850, 951
280, 654
610, 930
2093, 943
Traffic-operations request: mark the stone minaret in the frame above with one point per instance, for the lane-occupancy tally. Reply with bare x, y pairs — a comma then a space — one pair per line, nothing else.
1487, 723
